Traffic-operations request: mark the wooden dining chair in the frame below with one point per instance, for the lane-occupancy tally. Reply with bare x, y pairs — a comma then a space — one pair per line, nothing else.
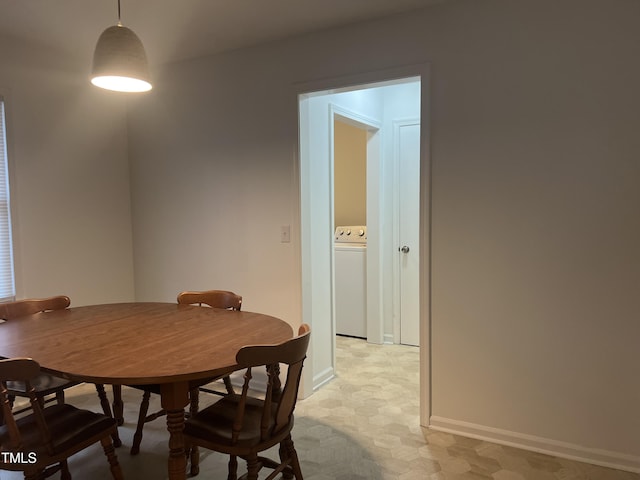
211, 298
44, 384
241, 425
40, 443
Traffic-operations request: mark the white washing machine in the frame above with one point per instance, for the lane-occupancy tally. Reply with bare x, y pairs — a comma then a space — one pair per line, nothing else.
351, 280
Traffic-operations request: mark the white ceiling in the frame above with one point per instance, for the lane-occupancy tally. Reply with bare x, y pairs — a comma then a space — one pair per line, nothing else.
179, 29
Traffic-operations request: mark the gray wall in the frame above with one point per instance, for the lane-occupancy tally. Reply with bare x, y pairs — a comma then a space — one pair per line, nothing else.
69, 179
535, 266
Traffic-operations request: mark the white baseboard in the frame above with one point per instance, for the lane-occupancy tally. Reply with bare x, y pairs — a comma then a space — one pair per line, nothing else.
323, 377
556, 448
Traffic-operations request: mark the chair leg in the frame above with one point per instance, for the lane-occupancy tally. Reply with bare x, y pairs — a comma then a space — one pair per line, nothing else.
107, 446
194, 454
228, 385
118, 405
194, 457
60, 396
253, 467
64, 471
104, 403
293, 456
233, 468
284, 458
194, 401
137, 437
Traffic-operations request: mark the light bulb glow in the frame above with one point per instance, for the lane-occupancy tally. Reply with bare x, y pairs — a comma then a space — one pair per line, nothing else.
121, 84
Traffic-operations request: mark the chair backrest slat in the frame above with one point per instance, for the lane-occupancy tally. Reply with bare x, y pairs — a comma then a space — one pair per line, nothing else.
265, 421
289, 395
239, 420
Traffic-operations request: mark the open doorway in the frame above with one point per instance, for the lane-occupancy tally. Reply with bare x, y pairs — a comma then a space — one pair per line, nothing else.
357, 149
390, 113
351, 140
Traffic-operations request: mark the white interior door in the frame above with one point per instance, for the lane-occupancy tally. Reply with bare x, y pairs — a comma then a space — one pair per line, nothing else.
409, 232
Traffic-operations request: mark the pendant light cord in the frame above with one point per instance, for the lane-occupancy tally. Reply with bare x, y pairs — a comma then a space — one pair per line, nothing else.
119, 21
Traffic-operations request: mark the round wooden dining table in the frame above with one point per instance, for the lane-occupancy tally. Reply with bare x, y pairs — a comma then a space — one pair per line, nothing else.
142, 343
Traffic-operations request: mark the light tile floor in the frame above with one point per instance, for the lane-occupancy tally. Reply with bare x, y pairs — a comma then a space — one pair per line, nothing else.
363, 425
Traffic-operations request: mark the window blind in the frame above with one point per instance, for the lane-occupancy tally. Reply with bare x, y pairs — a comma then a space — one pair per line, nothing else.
7, 282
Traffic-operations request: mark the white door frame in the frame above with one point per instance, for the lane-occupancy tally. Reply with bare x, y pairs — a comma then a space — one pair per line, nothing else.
315, 288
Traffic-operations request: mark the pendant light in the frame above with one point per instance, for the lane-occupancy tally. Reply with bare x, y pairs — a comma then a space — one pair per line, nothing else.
119, 61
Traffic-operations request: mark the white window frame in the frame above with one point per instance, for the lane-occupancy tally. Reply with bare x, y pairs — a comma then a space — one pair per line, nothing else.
7, 271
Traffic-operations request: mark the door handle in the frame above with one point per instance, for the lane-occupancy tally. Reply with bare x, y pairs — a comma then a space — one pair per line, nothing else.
404, 249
